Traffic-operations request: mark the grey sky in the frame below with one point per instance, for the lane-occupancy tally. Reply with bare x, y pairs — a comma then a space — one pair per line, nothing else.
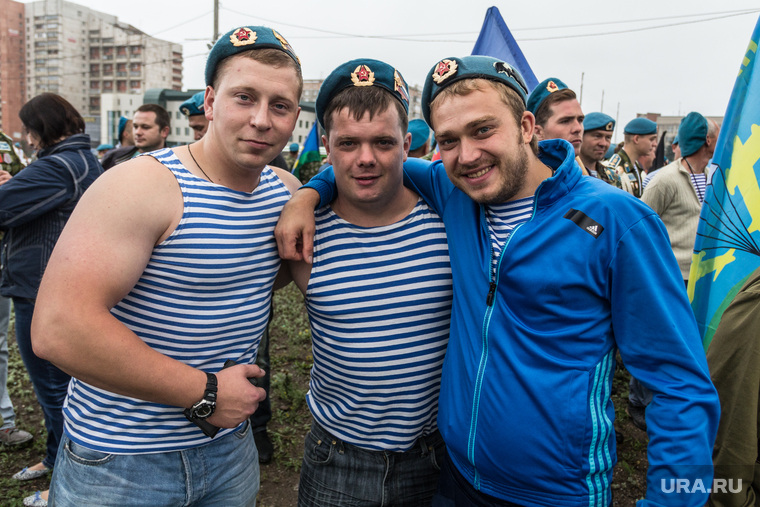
690, 65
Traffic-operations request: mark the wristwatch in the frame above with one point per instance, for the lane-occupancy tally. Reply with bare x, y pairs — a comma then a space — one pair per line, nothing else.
205, 407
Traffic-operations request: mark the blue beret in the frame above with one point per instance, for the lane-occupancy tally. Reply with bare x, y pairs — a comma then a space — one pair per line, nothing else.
692, 133
293, 147
420, 132
610, 151
122, 125
361, 72
105, 146
193, 106
543, 90
598, 121
640, 127
675, 140
242, 39
451, 70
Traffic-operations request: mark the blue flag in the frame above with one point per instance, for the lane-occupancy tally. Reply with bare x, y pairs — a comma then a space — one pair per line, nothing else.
310, 152
727, 247
496, 40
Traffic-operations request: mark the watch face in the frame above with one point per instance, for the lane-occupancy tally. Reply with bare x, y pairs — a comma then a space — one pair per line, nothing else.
204, 410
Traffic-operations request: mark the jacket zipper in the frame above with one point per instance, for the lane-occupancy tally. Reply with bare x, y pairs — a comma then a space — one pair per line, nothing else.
490, 299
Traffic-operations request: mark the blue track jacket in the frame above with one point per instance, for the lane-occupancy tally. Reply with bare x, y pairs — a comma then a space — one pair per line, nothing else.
525, 406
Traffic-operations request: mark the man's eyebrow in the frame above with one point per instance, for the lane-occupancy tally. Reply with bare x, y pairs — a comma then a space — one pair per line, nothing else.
469, 125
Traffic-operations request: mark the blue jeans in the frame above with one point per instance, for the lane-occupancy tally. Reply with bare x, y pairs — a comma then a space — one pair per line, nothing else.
224, 472
50, 384
335, 473
7, 414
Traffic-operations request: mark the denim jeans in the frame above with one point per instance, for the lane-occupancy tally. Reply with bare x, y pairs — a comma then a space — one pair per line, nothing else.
50, 384
7, 414
335, 473
224, 472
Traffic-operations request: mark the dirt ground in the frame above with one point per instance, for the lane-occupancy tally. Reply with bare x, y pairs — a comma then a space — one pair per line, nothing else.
291, 360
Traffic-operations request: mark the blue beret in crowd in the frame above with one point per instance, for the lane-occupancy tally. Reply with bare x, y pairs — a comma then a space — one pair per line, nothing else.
598, 121
293, 147
675, 140
451, 70
542, 91
641, 127
242, 39
122, 125
361, 72
193, 106
420, 132
692, 133
105, 146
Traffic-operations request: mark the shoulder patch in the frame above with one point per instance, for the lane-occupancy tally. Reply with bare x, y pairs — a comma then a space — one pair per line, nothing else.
585, 222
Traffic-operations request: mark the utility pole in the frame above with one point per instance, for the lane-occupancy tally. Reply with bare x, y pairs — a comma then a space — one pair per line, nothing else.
601, 107
216, 22
581, 95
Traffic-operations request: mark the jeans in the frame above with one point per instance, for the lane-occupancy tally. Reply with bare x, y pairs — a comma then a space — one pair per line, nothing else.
50, 384
224, 472
7, 414
455, 491
335, 473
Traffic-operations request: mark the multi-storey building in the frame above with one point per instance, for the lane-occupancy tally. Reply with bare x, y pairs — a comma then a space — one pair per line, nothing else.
80, 53
12, 67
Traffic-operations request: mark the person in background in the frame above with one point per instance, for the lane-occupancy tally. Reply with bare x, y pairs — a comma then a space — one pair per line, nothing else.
193, 109
34, 207
10, 435
420, 138
291, 156
150, 128
558, 114
597, 139
734, 359
640, 139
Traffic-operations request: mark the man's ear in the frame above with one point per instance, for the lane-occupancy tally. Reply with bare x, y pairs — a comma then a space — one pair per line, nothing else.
529, 127
208, 103
326, 145
407, 144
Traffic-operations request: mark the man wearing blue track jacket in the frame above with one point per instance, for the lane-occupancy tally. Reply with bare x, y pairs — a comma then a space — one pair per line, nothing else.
549, 272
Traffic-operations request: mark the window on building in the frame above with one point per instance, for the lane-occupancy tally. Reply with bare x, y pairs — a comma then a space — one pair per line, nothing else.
187, 131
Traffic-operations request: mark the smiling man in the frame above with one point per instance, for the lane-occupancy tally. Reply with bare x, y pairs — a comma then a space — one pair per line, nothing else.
547, 266
379, 300
164, 272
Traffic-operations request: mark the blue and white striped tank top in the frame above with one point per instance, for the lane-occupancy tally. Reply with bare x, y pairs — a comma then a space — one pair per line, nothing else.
502, 220
379, 303
203, 298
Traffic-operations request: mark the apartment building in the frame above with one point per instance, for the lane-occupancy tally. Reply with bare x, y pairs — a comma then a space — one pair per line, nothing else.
80, 53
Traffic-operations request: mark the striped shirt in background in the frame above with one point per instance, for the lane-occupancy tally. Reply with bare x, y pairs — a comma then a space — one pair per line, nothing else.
203, 298
502, 220
379, 302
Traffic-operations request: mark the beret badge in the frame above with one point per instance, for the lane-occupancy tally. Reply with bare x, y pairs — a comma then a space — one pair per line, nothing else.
363, 76
444, 70
243, 37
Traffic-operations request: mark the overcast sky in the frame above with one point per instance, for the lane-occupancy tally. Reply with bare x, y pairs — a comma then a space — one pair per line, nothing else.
664, 56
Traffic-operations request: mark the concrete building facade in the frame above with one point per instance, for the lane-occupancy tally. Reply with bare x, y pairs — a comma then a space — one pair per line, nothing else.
80, 53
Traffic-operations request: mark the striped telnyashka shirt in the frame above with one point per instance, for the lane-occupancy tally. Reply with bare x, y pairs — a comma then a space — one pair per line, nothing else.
502, 220
203, 298
379, 302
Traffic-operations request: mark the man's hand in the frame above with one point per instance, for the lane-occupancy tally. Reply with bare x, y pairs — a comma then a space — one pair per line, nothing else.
236, 397
295, 229
4, 176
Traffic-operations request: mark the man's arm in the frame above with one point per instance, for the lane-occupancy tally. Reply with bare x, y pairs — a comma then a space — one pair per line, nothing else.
99, 257
295, 230
659, 343
734, 360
